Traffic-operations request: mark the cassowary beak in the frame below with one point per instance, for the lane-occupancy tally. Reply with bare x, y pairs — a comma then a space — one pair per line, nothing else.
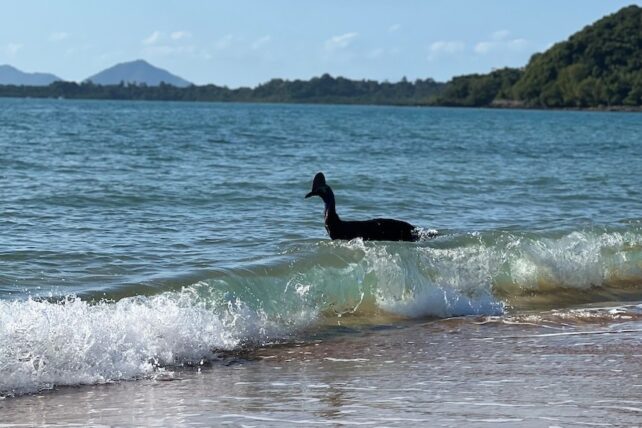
312, 193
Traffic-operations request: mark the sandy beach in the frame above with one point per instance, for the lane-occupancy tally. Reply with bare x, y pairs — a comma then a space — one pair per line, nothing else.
534, 371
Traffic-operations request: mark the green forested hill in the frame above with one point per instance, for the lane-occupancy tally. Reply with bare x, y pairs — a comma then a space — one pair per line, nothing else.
600, 65
475, 90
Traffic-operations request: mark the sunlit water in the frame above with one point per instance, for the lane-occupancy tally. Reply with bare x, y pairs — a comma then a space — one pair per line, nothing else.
136, 237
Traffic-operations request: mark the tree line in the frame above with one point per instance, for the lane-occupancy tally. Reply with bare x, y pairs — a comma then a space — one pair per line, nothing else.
324, 89
599, 66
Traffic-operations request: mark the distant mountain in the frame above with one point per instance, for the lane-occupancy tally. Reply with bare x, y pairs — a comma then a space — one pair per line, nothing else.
12, 76
139, 72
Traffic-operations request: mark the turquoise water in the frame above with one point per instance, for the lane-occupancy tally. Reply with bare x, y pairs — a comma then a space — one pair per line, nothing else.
174, 230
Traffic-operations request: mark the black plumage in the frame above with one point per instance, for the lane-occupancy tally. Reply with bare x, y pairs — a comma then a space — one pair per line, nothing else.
378, 229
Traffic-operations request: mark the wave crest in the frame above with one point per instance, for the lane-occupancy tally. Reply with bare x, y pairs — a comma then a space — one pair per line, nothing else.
74, 342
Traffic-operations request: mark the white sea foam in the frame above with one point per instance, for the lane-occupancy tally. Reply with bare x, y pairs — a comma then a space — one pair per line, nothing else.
44, 344
428, 282
466, 279
578, 260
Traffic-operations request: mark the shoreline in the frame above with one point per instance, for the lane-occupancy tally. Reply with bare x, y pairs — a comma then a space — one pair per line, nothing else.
480, 371
516, 105
501, 106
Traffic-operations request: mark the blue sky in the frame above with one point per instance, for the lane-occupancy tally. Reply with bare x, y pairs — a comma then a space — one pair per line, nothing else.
246, 42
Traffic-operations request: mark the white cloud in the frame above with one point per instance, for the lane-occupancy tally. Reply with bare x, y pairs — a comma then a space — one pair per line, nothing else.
11, 49
340, 42
260, 42
224, 42
446, 47
375, 53
167, 50
76, 50
158, 36
110, 57
500, 35
152, 38
168, 44
394, 28
58, 36
518, 44
484, 47
180, 35
501, 42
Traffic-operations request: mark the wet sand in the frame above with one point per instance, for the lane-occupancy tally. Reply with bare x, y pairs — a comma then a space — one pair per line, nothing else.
459, 372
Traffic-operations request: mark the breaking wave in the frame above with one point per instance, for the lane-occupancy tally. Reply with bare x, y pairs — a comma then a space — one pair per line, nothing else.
71, 341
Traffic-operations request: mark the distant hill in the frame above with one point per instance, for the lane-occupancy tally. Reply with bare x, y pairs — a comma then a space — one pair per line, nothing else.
599, 66
139, 72
12, 76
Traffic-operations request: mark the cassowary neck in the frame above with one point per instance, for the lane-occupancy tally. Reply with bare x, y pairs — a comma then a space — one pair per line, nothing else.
330, 208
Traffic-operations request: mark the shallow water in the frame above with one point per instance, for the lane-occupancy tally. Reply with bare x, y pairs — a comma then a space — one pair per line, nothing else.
535, 371
136, 238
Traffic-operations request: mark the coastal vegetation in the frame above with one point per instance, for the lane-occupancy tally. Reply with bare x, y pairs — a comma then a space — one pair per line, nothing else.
600, 66
324, 89
597, 67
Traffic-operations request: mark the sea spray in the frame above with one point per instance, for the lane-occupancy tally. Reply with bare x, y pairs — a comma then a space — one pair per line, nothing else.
70, 341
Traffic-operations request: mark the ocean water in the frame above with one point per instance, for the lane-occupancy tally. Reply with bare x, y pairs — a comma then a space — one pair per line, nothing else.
141, 237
